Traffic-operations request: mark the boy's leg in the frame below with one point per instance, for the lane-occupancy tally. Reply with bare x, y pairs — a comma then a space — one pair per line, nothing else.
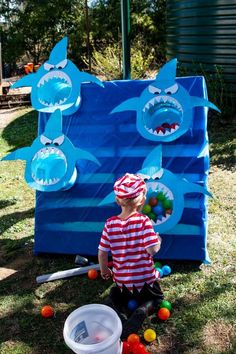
115, 301
149, 299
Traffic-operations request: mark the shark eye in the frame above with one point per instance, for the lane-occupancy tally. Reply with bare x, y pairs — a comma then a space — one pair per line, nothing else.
62, 64
48, 66
59, 140
153, 89
172, 89
44, 140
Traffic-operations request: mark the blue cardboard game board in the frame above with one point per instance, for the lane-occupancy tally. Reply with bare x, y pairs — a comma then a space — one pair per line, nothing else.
71, 221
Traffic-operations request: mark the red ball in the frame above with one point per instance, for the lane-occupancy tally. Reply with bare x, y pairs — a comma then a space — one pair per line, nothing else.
92, 274
133, 338
163, 314
126, 349
47, 311
138, 348
153, 201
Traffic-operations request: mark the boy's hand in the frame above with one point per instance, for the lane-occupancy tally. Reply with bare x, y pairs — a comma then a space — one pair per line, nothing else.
106, 273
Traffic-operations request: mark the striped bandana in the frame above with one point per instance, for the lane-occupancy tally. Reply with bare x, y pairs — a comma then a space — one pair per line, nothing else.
129, 186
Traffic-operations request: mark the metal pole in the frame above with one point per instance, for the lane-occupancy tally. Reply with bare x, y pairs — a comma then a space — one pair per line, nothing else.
0, 60
88, 35
125, 26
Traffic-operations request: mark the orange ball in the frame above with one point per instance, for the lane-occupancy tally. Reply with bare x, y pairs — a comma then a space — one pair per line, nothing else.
133, 338
163, 314
92, 274
47, 311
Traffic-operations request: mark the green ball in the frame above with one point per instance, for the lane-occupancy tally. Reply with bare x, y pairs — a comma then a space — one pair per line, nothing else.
161, 196
157, 265
146, 209
152, 216
167, 204
166, 304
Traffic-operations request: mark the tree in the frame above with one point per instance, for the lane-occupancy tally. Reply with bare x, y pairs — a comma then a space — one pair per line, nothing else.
34, 27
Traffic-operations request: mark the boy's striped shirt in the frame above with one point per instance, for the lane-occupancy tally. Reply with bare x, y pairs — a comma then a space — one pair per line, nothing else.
127, 239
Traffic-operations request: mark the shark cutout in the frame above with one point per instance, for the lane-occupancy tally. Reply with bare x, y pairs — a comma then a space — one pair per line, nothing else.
51, 159
57, 83
165, 193
165, 108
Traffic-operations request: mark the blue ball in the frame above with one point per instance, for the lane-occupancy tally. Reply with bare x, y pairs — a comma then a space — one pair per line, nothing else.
132, 305
158, 210
166, 270
160, 271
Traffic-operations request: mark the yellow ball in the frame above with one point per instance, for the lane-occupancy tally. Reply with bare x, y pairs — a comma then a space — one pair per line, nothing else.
150, 335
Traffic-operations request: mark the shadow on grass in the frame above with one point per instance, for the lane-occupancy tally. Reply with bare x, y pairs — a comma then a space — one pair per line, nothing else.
23, 321
6, 221
10, 249
5, 203
22, 131
46, 335
223, 145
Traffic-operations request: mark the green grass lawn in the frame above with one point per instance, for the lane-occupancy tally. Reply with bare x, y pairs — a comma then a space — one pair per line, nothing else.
203, 298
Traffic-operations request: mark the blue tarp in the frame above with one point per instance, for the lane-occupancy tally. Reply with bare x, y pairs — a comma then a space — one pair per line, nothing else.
71, 222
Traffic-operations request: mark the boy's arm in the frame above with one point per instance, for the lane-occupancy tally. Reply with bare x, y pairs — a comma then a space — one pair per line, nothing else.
103, 262
154, 249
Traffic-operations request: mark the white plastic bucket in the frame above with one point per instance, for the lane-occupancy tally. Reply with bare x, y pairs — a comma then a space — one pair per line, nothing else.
93, 329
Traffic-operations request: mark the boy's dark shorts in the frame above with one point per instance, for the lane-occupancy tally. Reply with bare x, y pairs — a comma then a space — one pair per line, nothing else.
146, 294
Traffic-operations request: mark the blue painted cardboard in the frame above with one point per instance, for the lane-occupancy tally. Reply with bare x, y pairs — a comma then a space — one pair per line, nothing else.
71, 221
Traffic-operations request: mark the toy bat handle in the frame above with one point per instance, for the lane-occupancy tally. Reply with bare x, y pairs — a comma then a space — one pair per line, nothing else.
67, 273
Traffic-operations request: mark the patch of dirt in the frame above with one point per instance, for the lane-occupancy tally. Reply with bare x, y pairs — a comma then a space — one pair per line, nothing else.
8, 115
218, 335
13, 267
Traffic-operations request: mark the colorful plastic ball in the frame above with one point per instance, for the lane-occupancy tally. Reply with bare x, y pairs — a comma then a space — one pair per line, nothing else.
158, 210
160, 272
138, 348
166, 270
133, 338
157, 265
152, 216
168, 211
92, 274
153, 201
126, 349
149, 335
163, 314
161, 196
132, 305
47, 311
167, 204
146, 209
166, 304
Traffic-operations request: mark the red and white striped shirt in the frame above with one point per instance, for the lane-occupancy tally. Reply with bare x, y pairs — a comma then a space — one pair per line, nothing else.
128, 239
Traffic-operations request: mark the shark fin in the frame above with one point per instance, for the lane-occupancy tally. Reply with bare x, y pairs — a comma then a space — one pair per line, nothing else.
19, 154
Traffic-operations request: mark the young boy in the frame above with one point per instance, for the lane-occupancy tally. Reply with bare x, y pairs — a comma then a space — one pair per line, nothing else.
132, 242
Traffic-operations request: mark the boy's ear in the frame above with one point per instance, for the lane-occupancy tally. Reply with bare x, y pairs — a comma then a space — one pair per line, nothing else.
117, 201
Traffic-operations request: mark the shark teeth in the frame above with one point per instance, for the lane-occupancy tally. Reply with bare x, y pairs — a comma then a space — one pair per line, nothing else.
42, 153
45, 103
53, 80
46, 182
160, 132
54, 75
153, 186
167, 100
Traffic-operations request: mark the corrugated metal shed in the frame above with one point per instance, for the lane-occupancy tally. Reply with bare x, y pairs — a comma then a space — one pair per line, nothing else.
203, 31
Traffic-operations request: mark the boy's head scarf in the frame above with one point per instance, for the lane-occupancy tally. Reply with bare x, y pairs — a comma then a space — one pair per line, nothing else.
129, 186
